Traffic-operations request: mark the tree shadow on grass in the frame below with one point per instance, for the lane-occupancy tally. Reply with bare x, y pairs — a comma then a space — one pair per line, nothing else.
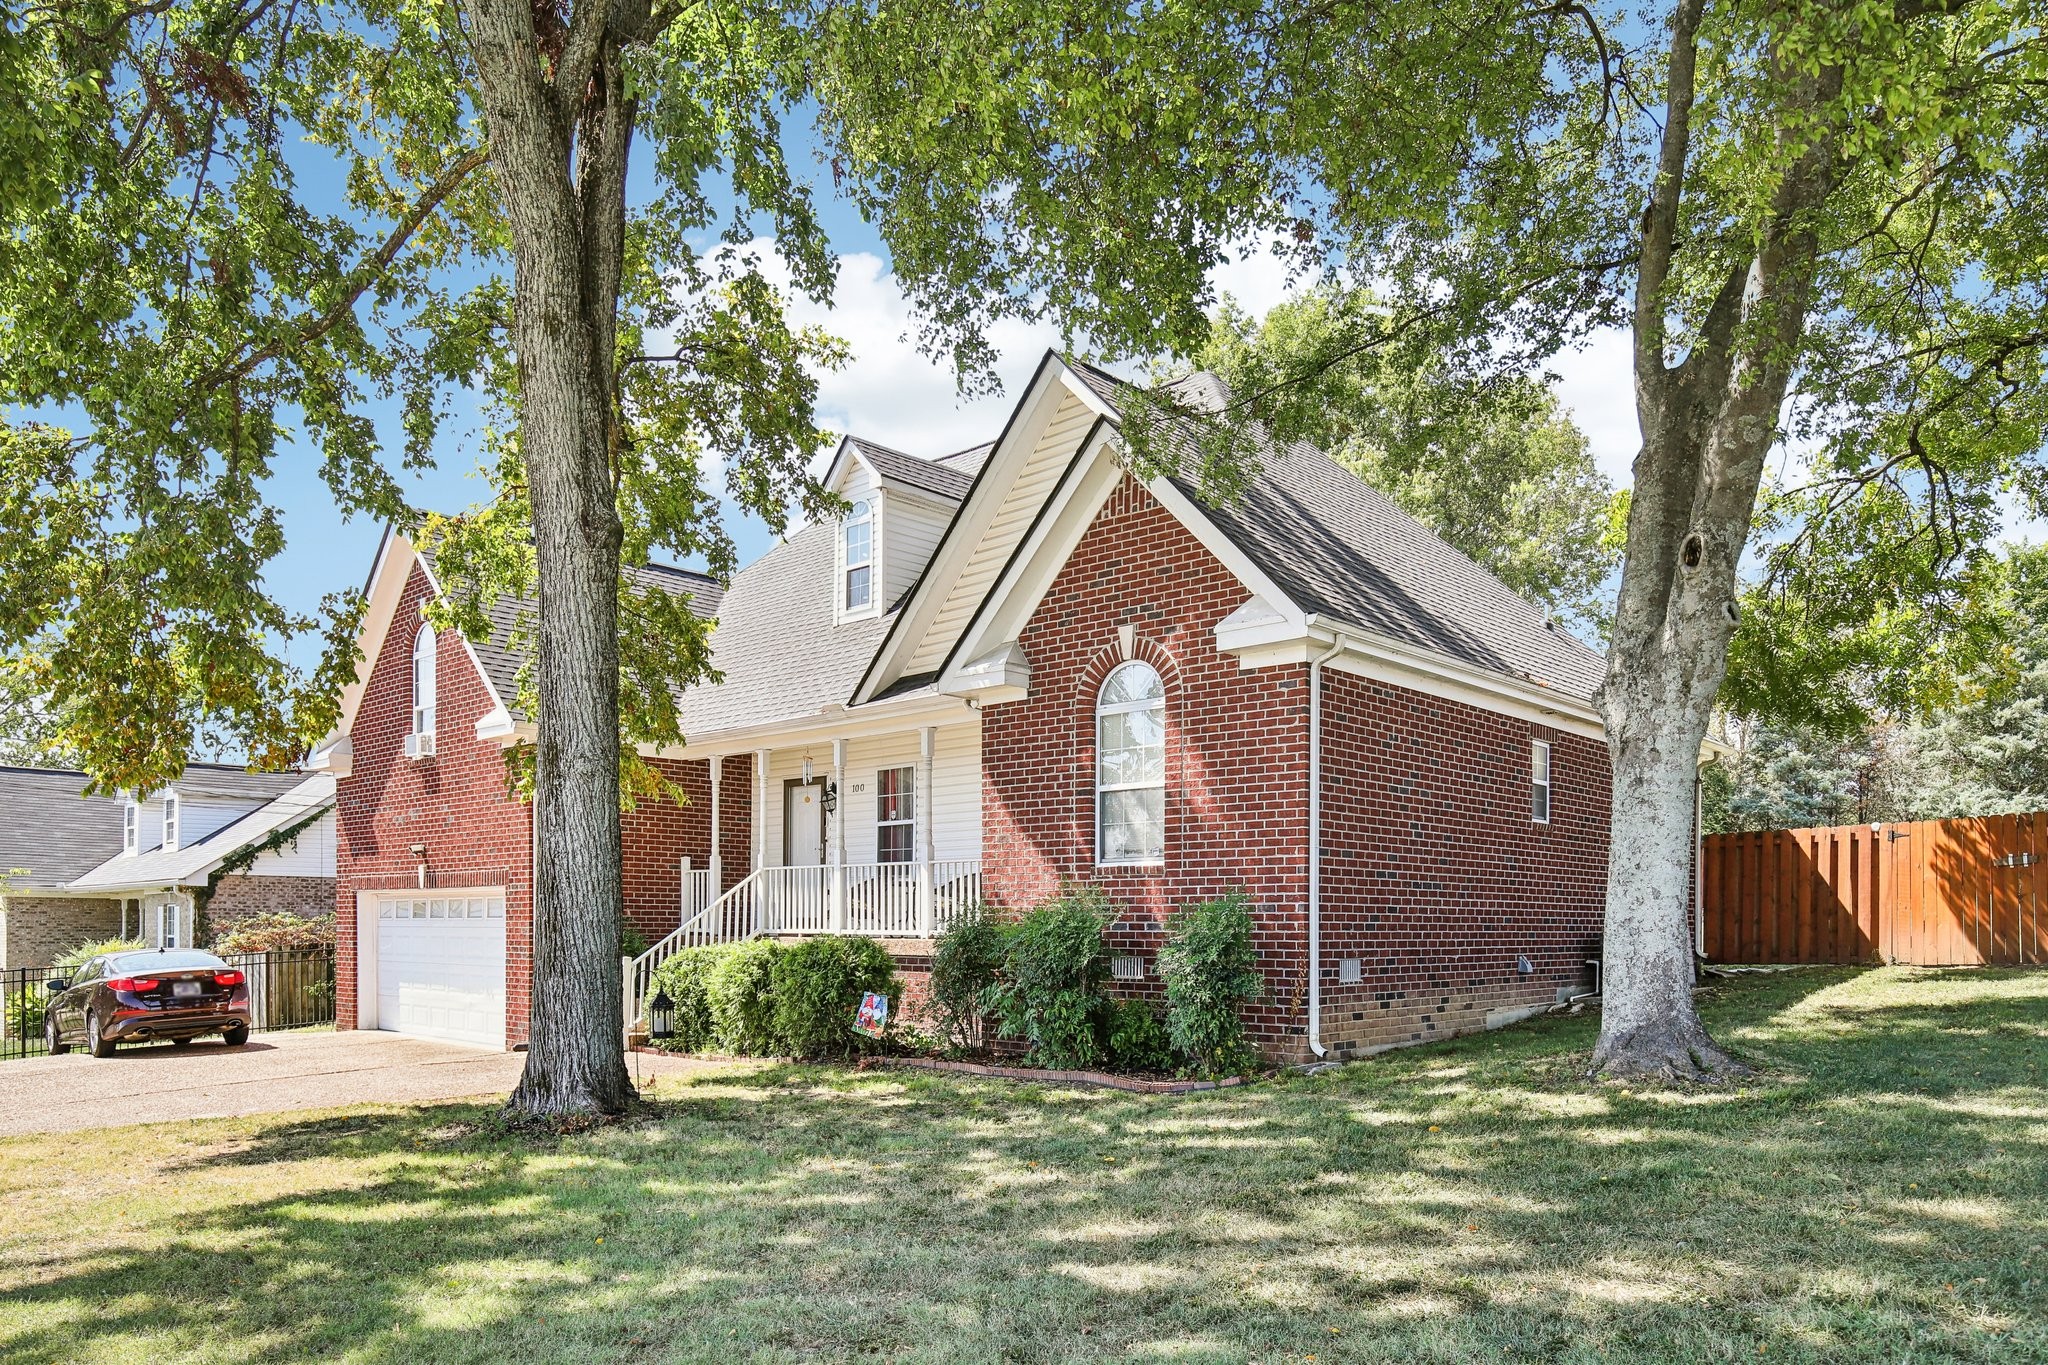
1468, 1201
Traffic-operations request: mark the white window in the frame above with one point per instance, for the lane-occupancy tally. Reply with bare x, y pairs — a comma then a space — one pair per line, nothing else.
423, 681
170, 822
895, 815
859, 539
131, 826
1130, 766
167, 925
1539, 782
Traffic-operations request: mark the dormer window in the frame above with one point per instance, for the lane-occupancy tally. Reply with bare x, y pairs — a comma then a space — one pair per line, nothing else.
859, 540
423, 682
131, 826
170, 822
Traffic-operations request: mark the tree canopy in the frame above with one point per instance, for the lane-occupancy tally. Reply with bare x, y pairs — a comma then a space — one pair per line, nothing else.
1490, 462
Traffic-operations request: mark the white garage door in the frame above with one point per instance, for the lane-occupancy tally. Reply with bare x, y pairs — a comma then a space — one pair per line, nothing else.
441, 966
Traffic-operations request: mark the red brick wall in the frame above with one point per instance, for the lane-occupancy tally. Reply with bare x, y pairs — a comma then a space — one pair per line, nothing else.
1435, 876
1236, 754
658, 835
476, 833
456, 803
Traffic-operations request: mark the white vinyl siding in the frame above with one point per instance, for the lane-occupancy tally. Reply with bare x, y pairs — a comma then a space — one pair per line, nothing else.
953, 804
1009, 525
311, 854
201, 816
915, 528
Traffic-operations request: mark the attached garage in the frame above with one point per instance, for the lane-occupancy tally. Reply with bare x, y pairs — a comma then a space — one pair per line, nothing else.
436, 964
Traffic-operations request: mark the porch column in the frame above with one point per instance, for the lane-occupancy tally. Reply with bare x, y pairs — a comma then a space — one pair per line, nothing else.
839, 906
717, 864
927, 815
760, 809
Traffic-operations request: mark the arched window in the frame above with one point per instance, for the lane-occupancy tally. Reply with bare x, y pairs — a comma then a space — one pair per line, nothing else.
423, 681
860, 556
1130, 766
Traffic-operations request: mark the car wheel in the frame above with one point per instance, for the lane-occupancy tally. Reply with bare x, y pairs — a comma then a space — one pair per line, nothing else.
236, 1036
94, 1043
53, 1039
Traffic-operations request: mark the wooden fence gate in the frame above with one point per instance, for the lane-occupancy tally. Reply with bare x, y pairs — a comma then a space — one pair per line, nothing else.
1933, 893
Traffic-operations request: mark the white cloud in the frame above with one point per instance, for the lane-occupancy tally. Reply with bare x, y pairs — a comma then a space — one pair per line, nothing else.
1597, 382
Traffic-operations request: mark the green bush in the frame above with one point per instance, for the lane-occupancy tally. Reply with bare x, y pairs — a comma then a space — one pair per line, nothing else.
1209, 965
1136, 1037
742, 996
686, 978
72, 959
1055, 965
817, 985
276, 931
965, 960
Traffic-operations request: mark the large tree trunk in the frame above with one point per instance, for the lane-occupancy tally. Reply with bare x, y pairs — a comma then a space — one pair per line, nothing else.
559, 142
1708, 422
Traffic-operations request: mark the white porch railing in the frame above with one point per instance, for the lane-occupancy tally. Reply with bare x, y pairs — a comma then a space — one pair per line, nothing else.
880, 900
699, 888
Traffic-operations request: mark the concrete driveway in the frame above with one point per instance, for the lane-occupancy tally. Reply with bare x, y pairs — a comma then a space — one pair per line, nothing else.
271, 1073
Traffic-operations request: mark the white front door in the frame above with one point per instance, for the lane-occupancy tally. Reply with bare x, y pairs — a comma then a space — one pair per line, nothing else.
803, 824
441, 965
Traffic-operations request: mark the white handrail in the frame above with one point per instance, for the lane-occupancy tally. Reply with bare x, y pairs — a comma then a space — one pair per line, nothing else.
882, 900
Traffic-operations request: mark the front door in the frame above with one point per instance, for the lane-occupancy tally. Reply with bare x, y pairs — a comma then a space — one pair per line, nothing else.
803, 824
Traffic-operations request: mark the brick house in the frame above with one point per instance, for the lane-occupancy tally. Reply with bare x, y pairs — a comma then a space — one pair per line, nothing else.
220, 840
1012, 666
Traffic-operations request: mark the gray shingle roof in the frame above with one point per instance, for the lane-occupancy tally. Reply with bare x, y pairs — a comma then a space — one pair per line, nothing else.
1342, 549
776, 643
50, 831
221, 779
943, 480
188, 865
509, 616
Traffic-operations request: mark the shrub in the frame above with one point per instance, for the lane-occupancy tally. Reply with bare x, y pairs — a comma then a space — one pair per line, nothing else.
965, 959
817, 985
1209, 964
1054, 967
632, 943
1136, 1037
74, 958
276, 931
686, 977
741, 991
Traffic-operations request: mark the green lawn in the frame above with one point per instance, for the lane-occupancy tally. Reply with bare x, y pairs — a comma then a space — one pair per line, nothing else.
1881, 1196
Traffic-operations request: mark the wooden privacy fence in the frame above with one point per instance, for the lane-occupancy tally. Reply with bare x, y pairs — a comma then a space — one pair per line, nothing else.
1933, 893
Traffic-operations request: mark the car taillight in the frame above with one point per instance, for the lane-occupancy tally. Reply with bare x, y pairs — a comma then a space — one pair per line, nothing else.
228, 978
132, 983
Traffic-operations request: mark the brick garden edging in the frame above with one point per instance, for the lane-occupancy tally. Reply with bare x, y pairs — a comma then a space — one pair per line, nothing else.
1104, 1079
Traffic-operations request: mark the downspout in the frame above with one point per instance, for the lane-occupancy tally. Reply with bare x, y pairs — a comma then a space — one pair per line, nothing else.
1315, 843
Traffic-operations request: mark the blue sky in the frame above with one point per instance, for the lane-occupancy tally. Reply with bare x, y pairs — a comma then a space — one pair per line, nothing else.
888, 392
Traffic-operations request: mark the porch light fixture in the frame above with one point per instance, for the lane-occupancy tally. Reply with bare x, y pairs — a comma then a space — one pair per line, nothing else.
661, 1017
830, 802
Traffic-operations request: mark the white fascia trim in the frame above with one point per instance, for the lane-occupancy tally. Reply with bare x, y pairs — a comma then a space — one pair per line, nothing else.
1365, 654
832, 722
334, 755
1001, 675
496, 723
388, 573
1035, 409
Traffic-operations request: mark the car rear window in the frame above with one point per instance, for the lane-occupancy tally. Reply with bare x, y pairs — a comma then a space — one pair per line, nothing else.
165, 962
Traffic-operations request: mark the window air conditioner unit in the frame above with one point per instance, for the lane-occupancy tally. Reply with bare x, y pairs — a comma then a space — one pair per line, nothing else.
419, 746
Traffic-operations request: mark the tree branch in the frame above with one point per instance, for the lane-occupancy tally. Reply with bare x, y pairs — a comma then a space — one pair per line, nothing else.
1660, 217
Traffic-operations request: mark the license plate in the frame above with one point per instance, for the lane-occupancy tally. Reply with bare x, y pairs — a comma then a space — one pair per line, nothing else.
184, 989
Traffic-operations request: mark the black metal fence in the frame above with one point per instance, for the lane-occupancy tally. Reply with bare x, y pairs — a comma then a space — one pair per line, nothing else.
291, 988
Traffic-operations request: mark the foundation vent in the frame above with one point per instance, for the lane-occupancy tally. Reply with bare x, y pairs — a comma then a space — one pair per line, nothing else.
1127, 968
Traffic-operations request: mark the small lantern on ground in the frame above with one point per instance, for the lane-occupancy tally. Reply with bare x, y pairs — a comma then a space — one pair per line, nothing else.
661, 1017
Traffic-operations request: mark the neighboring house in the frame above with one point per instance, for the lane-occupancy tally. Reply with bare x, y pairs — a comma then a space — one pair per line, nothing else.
236, 842
1014, 666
